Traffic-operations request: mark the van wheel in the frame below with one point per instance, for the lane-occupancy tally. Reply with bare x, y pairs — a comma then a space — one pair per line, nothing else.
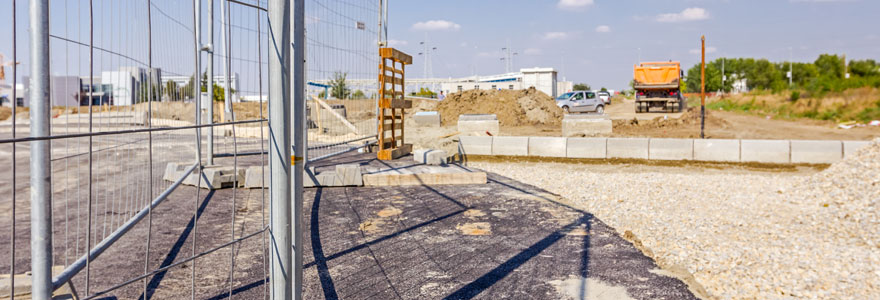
566, 110
600, 109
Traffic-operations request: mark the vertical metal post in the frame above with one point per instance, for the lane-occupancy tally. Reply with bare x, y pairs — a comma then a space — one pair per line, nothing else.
703, 87
227, 41
280, 276
197, 79
14, 147
41, 180
210, 88
299, 140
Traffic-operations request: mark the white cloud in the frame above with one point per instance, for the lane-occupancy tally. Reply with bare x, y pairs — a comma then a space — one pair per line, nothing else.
603, 29
574, 3
555, 35
436, 25
708, 50
688, 14
397, 43
532, 51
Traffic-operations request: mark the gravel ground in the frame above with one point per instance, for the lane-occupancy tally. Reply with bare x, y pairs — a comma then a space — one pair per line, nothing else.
742, 234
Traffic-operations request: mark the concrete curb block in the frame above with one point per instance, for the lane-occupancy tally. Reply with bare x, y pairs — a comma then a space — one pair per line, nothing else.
510, 145
586, 148
850, 147
816, 152
765, 151
719, 150
671, 149
475, 145
627, 148
548, 146
716, 150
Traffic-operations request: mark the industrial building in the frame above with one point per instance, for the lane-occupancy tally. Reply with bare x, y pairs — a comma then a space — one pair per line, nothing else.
542, 79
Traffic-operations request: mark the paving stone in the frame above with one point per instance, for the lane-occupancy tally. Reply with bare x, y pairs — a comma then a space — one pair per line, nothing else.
430, 156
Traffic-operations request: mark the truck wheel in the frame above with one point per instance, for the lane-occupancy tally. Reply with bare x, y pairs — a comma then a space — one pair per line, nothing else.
566, 110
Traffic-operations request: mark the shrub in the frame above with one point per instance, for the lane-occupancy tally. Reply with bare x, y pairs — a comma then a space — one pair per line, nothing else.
795, 95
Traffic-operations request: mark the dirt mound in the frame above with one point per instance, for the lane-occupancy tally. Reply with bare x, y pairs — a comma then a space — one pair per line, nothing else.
5, 113
689, 119
513, 107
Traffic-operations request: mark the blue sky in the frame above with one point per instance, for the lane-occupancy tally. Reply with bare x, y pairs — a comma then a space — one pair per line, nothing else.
599, 41
590, 41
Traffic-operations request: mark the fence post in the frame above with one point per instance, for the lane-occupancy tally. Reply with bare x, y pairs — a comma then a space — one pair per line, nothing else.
279, 153
210, 79
299, 139
41, 180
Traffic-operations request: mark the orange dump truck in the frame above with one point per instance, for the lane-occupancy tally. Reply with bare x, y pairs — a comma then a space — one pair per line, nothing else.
657, 85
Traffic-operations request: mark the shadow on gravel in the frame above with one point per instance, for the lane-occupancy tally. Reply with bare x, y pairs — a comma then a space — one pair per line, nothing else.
175, 250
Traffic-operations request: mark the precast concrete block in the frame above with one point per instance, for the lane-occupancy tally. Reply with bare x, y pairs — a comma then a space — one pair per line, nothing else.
586, 148
255, 178
671, 149
349, 175
477, 117
627, 148
475, 145
585, 125
816, 152
766, 151
548, 146
510, 145
430, 156
716, 150
850, 147
479, 127
427, 118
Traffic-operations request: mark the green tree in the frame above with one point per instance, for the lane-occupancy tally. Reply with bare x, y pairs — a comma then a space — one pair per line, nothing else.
829, 65
581, 87
358, 94
864, 68
603, 89
172, 91
338, 87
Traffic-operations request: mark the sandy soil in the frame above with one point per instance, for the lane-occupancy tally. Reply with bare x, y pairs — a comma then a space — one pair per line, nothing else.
513, 107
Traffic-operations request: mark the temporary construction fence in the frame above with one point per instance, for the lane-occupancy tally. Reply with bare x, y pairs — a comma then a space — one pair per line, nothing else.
116, 91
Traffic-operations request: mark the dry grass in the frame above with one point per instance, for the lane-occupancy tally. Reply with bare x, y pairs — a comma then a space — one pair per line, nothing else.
862, 104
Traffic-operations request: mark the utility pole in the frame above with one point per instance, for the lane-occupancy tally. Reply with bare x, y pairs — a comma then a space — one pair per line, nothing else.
703, 87
790, 67
508, 59
723, 76
428, 71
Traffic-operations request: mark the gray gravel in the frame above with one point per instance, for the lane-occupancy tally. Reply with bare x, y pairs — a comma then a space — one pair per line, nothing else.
743, 235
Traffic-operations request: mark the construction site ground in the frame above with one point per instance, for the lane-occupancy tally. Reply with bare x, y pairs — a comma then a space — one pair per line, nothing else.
501, 240
719, 124
504, 239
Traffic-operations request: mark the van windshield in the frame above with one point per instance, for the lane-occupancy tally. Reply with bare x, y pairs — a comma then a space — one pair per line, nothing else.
564, 96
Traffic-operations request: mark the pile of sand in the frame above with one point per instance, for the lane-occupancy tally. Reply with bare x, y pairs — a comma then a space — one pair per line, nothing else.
513, 107
689, 118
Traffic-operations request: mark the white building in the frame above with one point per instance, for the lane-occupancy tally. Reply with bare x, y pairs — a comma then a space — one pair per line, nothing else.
219, 80
543, 79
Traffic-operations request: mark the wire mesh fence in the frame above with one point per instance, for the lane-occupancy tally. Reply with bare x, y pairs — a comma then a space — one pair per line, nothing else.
121, 86
134, 102
342, 61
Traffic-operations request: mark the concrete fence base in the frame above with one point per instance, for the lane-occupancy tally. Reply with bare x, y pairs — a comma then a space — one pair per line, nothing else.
721, 150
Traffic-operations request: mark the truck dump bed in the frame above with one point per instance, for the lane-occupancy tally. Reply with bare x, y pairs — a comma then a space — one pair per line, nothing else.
657, 75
